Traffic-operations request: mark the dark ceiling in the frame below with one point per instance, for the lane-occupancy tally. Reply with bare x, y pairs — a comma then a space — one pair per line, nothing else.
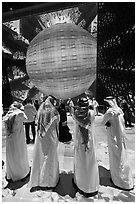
28, 13
16, 10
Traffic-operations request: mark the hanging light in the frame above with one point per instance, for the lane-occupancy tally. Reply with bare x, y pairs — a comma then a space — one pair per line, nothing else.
61, 60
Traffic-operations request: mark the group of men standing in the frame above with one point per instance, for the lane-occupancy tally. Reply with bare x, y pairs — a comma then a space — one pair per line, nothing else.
45, 162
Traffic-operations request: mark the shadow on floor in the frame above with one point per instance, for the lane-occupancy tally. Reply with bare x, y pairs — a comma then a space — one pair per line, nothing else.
105, 177
65, 186
13, 185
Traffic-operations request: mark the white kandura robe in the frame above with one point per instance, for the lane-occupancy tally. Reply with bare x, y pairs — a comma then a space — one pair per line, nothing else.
45, 166
119, 166
86, 173
17, 164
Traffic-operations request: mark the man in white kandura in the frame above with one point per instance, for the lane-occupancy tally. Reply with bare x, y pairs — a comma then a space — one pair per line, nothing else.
86, 174
121, 174
45, 165
17, 164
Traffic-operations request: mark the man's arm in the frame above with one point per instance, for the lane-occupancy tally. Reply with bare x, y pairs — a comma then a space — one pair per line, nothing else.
106, 118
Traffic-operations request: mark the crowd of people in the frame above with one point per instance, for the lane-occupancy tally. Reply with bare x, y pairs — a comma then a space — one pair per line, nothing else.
48, 122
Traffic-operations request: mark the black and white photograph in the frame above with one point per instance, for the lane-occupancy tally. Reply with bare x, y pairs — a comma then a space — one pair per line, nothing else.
68, 101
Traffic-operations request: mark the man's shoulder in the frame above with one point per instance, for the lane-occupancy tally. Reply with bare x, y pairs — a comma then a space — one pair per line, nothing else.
110, 112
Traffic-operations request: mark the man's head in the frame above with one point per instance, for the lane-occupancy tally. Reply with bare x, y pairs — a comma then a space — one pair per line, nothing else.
83, 103
16, 105
109, 100
60, 101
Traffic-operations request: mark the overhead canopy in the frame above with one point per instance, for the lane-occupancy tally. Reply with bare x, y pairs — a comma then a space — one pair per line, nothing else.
16, 10
28, 13
31, 24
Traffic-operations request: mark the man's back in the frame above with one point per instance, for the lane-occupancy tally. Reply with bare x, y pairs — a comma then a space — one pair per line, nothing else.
30, 112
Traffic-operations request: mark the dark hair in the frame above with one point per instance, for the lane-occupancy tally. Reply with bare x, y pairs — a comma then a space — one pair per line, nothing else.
83, 102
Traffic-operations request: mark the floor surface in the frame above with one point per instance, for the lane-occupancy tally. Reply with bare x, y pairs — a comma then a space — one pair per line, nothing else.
65, 191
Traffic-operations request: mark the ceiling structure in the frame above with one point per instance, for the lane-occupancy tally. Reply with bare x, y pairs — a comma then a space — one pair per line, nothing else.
31, 19
14, 11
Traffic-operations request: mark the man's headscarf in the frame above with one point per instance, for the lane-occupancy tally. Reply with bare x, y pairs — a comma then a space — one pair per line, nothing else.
16, 105
112, 102
9, 118
47, 113
83, 119
81, 113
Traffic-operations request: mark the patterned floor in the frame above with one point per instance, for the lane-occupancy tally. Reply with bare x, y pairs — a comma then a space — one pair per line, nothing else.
65, 191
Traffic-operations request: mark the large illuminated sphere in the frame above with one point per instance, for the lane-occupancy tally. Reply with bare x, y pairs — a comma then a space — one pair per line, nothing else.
61, 60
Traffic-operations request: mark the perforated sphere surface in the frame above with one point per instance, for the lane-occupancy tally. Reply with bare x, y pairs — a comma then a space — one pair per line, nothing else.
61, 60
